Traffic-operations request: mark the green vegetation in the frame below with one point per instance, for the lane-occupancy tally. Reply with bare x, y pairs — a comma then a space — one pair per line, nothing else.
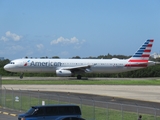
84, 82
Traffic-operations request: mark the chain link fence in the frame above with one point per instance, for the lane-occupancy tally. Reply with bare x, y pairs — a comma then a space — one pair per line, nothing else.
91, 109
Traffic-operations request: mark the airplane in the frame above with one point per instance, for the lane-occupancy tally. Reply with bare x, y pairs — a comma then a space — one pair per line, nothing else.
70, 67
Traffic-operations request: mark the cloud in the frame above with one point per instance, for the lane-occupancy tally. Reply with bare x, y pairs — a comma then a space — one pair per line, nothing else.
65, 41
4, 39
12, 36
40, 46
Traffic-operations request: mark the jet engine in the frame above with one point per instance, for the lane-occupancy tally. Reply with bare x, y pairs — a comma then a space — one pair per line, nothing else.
63, 73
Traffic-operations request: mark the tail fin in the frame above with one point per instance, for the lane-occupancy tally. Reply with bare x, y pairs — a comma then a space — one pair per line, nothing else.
143, 54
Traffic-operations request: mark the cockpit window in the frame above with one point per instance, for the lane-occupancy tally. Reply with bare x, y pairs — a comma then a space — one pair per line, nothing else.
12, 63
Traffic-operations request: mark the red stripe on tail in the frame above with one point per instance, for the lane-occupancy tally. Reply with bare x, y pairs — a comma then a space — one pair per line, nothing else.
149, 45
144, 55
151, 40
147, 50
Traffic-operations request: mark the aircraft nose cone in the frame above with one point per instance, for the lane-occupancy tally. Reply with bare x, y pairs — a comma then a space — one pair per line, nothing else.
11, 68
6, 67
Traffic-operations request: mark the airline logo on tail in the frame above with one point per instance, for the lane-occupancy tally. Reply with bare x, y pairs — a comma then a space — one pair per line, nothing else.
141, 57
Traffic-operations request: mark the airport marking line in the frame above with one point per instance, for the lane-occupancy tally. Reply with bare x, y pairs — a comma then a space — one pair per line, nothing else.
5, 113
13, 115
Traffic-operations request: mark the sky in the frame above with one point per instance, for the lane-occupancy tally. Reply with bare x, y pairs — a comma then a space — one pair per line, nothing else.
68, 28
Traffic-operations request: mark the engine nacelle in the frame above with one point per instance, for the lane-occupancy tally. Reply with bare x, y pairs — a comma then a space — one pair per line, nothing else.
87, 70
63, 73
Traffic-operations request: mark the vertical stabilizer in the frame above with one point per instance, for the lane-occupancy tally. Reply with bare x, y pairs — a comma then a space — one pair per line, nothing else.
141, 57
143, 53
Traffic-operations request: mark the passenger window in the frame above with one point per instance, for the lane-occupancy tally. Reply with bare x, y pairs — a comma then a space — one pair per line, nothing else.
51, 111
62, 111
77, 110
70, 110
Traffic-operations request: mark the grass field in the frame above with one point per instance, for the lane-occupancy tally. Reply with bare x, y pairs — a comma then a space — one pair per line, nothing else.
85, 82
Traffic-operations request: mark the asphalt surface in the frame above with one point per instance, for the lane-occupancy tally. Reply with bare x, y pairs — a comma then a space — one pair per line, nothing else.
7, 117
133, 92
9, 114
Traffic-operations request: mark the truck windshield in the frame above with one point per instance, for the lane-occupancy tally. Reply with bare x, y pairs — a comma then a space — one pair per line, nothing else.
31, 111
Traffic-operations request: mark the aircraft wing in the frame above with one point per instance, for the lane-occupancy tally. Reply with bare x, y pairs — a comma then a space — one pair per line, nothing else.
83, 68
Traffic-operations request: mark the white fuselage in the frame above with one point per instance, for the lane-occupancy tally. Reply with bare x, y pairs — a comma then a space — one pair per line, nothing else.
51, 65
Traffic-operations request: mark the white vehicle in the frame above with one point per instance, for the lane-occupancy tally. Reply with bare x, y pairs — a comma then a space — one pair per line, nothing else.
70, 67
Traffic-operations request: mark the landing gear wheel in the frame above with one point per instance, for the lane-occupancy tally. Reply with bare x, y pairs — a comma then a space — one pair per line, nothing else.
21, 76
79, 76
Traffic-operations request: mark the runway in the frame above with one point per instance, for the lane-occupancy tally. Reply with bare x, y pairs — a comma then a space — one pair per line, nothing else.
132, 92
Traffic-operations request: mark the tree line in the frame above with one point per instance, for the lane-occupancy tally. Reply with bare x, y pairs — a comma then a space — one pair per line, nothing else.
152, 71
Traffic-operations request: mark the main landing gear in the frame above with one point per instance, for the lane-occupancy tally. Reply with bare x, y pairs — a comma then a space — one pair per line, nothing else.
21, 76
79, 77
